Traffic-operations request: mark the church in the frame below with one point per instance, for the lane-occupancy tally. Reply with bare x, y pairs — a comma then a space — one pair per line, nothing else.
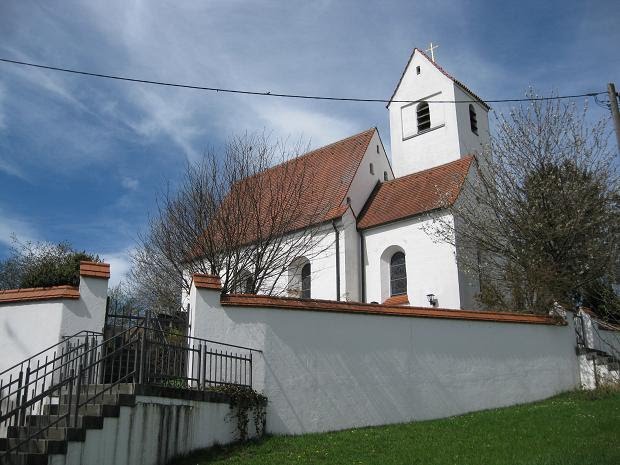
376, 246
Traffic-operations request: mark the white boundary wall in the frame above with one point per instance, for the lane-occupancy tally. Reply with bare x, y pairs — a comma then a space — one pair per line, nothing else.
326, 371
26, 327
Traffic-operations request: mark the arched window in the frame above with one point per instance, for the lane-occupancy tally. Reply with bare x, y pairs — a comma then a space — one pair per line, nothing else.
385, 176
299, 280
473, 121
398, 274
244, 283
424, 116
305, 281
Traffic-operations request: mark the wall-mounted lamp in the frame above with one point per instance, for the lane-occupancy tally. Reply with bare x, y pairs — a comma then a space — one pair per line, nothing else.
432, 300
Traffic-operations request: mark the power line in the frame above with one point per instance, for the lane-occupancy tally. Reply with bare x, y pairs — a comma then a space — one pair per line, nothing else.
273, 94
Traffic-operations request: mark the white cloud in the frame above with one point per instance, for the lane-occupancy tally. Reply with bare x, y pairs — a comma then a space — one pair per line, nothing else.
13, 226
10, 168
319, 128
120, 263
130, 183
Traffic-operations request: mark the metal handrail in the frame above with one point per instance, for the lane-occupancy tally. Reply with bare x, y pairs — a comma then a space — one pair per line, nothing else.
137, 355
69, 381
64, 341
192, 338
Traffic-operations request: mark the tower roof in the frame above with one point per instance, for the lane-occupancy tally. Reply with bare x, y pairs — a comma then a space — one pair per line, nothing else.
443, 71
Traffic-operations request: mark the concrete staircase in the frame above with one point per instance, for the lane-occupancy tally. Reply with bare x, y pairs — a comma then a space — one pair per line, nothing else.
54, 440
598, 368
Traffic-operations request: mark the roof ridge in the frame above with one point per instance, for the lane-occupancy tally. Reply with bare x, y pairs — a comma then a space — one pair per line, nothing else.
339, 141
310, 152
303, 155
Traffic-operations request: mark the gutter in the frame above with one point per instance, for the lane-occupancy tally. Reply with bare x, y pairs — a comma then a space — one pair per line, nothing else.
362, 265
337, 259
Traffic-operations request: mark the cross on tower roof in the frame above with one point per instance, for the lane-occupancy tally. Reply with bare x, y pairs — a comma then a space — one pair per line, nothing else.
432, 50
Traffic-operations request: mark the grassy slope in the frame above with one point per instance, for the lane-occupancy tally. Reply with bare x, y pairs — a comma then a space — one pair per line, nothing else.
575, 428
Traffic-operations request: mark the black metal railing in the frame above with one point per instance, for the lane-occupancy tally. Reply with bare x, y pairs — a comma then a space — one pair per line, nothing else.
59, 386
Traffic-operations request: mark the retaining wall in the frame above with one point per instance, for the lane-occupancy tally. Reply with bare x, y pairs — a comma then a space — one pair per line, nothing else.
153, 432
333, 365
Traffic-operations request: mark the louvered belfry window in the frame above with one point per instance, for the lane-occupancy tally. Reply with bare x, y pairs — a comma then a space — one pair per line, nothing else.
424, 116
473, 121
398, 274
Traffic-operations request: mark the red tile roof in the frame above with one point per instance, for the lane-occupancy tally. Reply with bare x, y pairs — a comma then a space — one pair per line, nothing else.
444, 72
397, 300
39, 293
287, 303
416, 193
327, 176
206, 281
95, 269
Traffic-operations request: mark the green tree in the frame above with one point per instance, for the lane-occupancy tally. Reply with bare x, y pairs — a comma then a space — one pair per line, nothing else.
539, 221
41, 264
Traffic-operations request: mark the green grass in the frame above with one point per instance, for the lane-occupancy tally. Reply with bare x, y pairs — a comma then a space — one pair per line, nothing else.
577, 428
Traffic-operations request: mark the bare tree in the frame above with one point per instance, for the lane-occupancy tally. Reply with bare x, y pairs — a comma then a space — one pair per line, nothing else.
236, 215
538, 220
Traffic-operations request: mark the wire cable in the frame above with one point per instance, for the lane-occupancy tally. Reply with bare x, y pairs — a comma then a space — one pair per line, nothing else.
281, 95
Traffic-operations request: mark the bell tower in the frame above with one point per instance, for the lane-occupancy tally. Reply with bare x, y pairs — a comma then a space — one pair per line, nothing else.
434, 119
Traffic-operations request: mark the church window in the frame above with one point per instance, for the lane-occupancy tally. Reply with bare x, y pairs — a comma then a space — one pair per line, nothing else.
305, 281
372, 169
423, 114
377, 148
473, 122
398, 274
417, 70
385, 176
244, 283
299, 272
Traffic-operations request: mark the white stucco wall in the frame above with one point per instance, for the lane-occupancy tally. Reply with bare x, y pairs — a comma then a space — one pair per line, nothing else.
469, 142
350, 265
327, 371
450, 135
364, 181
415, 152
30, 326
153, 432
431, 267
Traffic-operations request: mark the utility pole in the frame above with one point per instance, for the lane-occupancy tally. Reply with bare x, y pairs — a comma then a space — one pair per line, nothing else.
613, 105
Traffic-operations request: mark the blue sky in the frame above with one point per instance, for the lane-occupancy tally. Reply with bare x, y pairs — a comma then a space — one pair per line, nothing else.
82, 159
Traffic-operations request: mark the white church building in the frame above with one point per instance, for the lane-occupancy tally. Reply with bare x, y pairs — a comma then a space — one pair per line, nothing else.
376, 246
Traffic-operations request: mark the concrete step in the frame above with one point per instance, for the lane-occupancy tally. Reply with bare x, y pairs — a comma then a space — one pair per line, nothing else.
87, 422
34, 446
22, 458
53, 433
93, 410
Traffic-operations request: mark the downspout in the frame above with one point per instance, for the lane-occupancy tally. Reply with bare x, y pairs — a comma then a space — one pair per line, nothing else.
337, 259
362, 265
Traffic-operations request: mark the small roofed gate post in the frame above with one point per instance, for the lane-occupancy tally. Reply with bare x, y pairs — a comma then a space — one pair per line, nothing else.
235, 361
